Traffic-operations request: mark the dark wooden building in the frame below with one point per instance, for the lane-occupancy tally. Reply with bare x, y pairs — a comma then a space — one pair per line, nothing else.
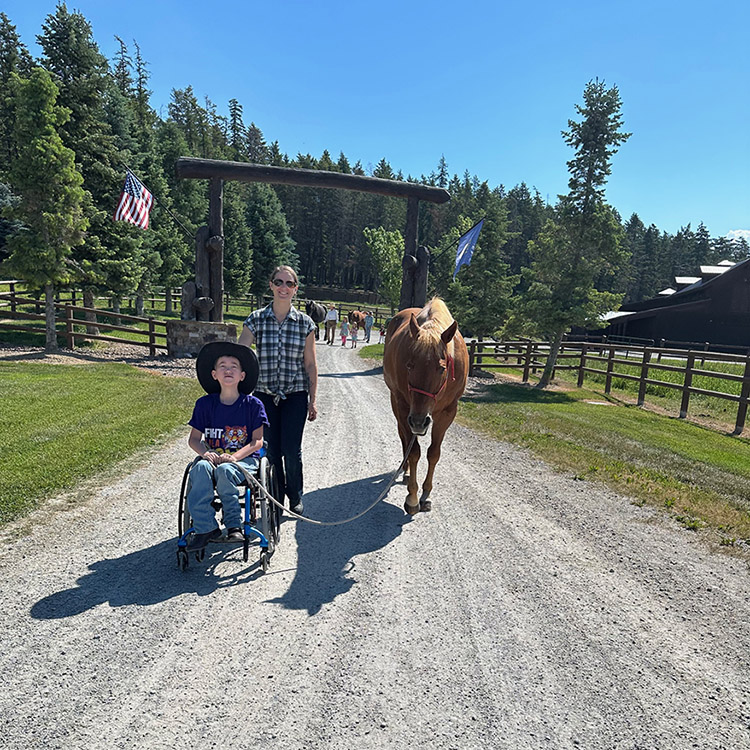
713, 307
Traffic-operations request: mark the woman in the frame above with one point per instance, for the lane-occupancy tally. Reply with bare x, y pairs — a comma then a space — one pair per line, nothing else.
284, 339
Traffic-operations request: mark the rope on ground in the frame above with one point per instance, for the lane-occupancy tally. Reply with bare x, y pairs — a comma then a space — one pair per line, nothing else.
251, 478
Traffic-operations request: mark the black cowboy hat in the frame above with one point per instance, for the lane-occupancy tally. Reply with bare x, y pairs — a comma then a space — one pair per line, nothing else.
206, 363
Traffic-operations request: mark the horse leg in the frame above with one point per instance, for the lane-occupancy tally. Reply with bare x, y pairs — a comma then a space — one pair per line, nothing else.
411, 506
441, 421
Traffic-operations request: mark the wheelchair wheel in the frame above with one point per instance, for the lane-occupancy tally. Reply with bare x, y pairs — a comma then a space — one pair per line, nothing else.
270, 514
183, 517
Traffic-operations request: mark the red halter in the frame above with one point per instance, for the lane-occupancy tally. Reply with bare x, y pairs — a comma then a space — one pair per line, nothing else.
450, 374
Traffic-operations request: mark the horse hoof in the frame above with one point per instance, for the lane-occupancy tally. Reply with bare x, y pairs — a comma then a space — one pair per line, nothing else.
425, 506
412, 510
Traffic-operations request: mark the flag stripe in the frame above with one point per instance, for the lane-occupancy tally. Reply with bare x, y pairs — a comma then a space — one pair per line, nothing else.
135, 202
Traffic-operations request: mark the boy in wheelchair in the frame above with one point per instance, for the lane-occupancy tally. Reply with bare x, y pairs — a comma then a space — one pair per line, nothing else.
226, 430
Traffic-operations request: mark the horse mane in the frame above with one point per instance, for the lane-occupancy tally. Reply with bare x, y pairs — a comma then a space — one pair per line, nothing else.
433, 319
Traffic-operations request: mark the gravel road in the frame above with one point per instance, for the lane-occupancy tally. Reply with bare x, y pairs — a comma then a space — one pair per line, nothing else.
528, 610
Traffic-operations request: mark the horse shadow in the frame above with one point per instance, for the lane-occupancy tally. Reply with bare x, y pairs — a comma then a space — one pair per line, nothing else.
326, 554
151, 576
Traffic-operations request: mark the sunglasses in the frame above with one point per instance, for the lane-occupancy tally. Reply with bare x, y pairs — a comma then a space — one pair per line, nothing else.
281, 282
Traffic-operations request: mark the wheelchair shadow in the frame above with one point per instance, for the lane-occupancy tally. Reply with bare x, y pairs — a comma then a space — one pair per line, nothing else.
131, 579
325, 560
325, 554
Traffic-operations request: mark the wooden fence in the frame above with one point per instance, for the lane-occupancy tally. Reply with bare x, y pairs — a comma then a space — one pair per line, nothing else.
77, 327
608, 359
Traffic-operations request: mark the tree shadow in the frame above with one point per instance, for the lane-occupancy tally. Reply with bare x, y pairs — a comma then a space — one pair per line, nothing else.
355, 373
507, 393
325, 554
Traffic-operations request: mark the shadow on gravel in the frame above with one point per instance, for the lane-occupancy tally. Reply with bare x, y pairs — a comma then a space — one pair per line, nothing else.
325, 554
148, 576
353, 374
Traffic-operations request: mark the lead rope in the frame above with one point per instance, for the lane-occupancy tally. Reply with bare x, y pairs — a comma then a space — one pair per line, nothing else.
251, 478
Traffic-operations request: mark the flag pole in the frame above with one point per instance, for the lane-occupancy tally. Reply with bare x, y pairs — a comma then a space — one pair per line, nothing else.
188, 234
447, 247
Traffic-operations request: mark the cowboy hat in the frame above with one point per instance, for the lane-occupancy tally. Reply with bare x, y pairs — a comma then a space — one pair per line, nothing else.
206, 363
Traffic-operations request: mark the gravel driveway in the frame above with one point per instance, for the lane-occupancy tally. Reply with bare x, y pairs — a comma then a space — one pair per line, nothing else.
528, 610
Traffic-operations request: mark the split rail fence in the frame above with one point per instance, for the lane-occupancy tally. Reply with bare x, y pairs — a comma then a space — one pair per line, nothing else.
73, 325
616, 361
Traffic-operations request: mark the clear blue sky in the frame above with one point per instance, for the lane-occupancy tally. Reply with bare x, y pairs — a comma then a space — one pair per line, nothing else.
488, 84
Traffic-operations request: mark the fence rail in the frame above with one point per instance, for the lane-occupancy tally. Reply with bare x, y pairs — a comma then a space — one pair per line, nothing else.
84, 323
607, 360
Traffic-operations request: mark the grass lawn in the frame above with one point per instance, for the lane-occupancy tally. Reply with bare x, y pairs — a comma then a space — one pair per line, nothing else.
60, 423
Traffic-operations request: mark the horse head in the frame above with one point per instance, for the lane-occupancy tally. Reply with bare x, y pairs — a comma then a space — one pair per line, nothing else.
429, 369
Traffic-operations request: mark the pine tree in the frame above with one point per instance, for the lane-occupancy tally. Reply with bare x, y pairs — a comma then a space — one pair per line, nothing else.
44, 174
14, 58
585, 241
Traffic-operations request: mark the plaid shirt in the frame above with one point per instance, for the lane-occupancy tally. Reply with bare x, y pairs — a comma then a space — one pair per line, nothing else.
280, 349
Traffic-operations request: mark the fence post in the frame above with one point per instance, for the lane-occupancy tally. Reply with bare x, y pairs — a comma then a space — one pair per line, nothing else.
12, 297
69, 318
608, 379
744, 394
472, 349
644, 376
151, 337
686, 384
527, 362
581, 365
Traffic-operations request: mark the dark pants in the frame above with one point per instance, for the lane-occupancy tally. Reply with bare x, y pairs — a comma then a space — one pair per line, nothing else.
284, 438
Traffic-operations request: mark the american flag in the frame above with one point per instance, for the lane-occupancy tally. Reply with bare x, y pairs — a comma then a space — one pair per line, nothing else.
135, 202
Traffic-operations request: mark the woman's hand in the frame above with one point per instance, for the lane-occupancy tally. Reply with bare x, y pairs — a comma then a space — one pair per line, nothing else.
312, 412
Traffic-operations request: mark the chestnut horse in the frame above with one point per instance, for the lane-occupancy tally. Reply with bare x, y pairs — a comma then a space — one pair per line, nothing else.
425, 365
358, 317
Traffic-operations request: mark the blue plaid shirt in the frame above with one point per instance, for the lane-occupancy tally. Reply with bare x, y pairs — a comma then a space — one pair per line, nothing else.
280, 349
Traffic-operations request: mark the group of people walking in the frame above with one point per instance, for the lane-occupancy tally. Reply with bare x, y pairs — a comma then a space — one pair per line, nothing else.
349, 329
248, 403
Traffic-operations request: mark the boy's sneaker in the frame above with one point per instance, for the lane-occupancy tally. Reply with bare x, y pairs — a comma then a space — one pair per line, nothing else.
199, 541
235, 534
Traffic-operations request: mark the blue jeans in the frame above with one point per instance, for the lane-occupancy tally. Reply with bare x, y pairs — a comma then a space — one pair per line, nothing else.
227, 478
284, 437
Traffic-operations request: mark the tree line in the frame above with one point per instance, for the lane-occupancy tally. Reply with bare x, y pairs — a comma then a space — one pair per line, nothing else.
72, 121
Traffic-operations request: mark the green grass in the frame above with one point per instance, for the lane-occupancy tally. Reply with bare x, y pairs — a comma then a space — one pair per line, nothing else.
61, 424
699, 475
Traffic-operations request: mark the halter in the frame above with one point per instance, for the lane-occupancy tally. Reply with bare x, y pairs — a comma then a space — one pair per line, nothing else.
450, 374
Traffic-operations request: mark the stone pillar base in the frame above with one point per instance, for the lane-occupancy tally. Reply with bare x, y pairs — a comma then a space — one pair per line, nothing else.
186, 337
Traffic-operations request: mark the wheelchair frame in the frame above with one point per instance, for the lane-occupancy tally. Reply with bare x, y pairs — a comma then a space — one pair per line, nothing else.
261, 518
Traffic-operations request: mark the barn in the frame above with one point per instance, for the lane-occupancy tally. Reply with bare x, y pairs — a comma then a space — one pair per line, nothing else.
713, 307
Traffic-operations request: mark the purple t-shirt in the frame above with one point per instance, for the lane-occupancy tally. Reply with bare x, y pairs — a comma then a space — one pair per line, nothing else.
228, 427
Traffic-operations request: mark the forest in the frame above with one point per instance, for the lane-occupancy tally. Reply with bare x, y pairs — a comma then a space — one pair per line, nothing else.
76, 120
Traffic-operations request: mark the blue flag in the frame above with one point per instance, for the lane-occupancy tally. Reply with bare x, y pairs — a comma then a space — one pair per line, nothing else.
466, 244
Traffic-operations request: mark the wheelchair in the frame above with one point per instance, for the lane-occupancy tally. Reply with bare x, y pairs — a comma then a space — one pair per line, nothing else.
261, 517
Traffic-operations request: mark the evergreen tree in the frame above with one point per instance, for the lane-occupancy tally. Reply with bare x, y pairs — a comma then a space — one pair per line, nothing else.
49, 185
585, 242
14, 58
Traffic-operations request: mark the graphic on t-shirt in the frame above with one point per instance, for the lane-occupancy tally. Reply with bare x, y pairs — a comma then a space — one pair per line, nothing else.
227, 440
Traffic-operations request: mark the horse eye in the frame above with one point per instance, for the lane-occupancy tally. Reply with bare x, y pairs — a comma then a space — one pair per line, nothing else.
409, 365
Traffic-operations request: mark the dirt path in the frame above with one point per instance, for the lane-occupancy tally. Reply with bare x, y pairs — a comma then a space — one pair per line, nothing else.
528, 610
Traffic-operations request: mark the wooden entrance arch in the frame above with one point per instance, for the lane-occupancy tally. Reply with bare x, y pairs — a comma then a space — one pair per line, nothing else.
209, 245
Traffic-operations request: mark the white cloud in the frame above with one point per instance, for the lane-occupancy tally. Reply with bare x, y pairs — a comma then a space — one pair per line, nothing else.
736, 234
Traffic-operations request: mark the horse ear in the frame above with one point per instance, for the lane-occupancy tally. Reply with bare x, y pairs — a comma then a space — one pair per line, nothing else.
449, 332
413, 326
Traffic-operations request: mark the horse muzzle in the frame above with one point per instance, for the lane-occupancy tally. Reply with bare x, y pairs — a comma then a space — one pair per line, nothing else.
419, 423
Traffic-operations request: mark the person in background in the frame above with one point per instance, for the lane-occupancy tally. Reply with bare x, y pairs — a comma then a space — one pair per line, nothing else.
332, 318
344, 331
369, 320
284, 339
354, 333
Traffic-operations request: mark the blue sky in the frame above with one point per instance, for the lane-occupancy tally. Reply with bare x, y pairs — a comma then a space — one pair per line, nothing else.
489, 85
